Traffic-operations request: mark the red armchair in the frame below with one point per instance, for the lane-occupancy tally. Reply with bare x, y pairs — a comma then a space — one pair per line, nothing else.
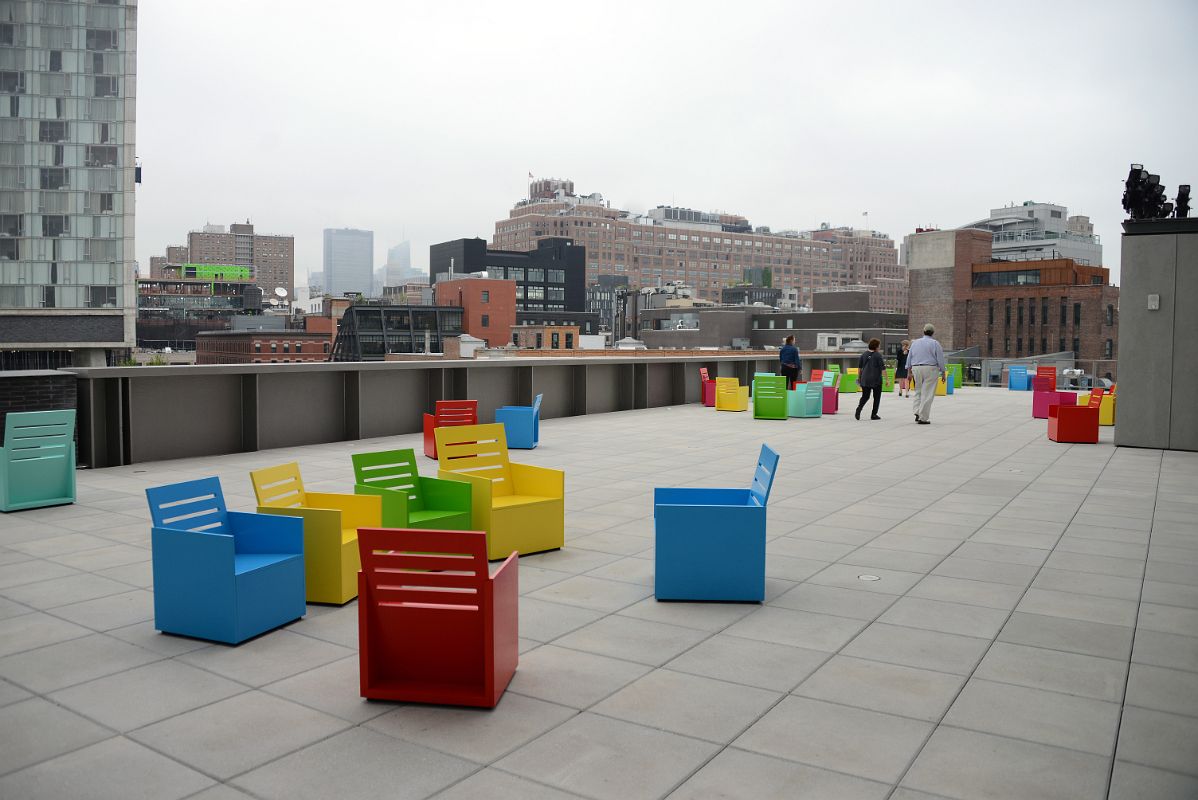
447, 413
1049, 374
708, 388
1044, 395
1075, 424
433, 626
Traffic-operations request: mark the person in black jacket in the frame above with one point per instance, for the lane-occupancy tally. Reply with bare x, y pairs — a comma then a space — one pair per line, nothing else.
869, 378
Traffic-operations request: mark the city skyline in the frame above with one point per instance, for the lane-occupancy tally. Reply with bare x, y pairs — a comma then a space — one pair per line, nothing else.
901, 114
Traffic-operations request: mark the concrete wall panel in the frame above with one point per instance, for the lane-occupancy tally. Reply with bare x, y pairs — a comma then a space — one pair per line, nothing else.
557, 384
296, 408
392, 403
1146, 343
184, 417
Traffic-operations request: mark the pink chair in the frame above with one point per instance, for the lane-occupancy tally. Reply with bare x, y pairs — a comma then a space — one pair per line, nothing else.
1043, 396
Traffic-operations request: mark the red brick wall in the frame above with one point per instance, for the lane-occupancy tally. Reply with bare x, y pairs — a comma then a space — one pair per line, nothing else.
499, 310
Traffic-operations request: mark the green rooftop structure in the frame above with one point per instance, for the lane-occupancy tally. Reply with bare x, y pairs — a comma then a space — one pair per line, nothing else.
217, 272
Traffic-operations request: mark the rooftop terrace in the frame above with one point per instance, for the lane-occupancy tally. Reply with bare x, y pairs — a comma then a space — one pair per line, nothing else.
1033, 632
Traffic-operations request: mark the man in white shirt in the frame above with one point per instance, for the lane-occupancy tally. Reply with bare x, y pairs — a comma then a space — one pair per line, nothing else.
926, 365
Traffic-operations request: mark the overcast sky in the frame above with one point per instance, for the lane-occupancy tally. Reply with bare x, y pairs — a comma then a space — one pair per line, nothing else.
423, 120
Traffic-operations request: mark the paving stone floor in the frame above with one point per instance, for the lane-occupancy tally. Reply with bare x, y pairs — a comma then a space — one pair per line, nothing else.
1033, 632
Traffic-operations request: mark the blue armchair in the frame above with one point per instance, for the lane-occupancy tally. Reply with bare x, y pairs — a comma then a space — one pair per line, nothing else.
522, 424
222, 575
711, 542
37, 459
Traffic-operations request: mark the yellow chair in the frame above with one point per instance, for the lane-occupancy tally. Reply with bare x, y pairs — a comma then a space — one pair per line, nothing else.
1106, 411
521, 507
730, 395
331, 522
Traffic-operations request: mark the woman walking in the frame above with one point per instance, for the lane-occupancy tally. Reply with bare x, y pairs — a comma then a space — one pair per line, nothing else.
792, 365
869, 377
900, 372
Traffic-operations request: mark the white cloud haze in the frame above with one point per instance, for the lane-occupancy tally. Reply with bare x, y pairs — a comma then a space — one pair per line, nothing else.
422, 120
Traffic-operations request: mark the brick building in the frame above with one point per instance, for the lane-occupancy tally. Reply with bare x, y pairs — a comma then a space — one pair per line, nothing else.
261, 347
545, 337
706, 250
271, 259
1009, 309
488, 306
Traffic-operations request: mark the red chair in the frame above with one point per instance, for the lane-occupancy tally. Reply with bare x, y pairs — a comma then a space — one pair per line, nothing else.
1075, 424
1044, 395
447, 413
708, 388
1049, 374
433, 626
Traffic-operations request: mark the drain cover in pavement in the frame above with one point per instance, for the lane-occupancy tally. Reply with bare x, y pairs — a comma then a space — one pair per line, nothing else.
868, 578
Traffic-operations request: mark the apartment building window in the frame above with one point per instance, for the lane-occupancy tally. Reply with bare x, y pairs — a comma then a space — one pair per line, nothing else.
1064, 313
53, 131
486, 297
1031, 313
486, 320
54, 178
1077, 314
101, 297
540, 341
326, 347
1108, 350
1044, 311
991, 311
1110, 315
1019, 346
1019, 303
990, 346
1043, 344
1076, 347
299, 347
257, 347
286, 347
557, 276
1061, 345
105, 86
536, 275
55, 225
555, 341
570, 341
274, 347
1006, 345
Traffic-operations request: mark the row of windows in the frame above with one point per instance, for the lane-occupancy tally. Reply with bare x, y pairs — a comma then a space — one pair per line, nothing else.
1031, 312
1108, 347
299, 347
529, 274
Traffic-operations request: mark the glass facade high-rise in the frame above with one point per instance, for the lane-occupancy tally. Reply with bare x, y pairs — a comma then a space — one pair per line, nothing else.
348, 261
67, 175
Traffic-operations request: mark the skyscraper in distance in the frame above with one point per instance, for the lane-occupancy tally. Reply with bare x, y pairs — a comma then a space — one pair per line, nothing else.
348, 261
67, 93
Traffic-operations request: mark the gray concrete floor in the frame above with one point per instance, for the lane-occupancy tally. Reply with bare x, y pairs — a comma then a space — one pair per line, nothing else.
1033, 632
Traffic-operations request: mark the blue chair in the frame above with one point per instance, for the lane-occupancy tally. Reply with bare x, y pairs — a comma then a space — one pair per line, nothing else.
222, 575
806, 400
1017, 378
711, 542
37, 460
522, 424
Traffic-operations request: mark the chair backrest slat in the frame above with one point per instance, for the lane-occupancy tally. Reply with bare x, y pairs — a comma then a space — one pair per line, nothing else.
456, 412
769, 387
726, 386
815, 389
1095, 398
763, 475
817, 376
479, 450
1050, 375
27, 432
425, 569
536, 404
197, 505
388, 469
279, 487
703, 373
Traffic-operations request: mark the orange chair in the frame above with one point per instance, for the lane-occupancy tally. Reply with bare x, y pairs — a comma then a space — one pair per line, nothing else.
447, 413
1075, 424
433, 626
708, 388
1049, 374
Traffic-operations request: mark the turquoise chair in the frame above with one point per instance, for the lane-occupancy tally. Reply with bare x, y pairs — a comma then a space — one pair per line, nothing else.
37, 460
522, 424
409, 500
222, 575
805, 400
769, 397
710, 543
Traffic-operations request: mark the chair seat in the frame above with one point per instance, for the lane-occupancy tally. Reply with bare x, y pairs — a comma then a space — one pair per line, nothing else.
510, 500
428, 515
248, 562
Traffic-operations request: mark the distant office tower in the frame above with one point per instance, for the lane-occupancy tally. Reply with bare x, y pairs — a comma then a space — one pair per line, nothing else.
271, 257
67, 90
348, 261
398, 269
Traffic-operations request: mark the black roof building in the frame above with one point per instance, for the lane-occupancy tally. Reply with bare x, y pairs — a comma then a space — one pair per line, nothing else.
369, 332
550, 278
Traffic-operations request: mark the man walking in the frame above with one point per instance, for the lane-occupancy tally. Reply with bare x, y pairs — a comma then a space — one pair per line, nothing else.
792, 365
926, 364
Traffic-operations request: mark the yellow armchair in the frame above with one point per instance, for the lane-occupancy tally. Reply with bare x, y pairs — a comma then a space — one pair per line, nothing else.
730, 395
521, 507
331, 522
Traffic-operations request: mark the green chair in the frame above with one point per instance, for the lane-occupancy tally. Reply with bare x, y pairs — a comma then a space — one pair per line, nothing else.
888, 380
958, 374
37, 459
848, 381
409, 500
769, 397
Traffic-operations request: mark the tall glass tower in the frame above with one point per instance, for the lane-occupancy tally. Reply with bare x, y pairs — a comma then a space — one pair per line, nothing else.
67, 174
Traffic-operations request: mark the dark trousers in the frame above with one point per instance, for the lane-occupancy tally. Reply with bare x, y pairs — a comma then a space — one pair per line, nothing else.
865, 392
791, 374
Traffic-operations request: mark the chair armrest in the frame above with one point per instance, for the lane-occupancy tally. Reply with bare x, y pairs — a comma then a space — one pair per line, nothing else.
266, 533
688, 496
357, 510
480, 497
444, 495
317, 521
180, 557
541, 481
394, 504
